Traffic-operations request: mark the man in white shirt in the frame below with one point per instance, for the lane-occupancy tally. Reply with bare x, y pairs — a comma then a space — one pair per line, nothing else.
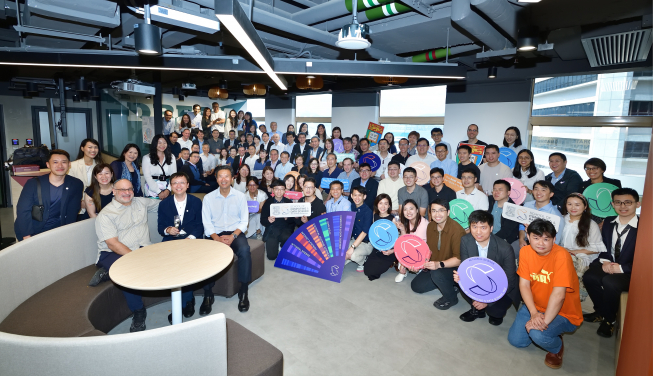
196, 117
492, 170
436, 136
208, 160
290, 137
225, 217
470, 194
217, 117
448, 165
168, 123
391, 185
284, 167
185, 141
252, 157
266, 143
422, 154
277, 144
385, 156
273, 130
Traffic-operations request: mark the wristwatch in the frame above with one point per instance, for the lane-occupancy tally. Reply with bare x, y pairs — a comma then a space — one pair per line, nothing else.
234, 235
353, 246
442, 264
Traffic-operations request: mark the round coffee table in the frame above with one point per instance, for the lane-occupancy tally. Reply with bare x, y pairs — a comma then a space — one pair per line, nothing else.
171, 265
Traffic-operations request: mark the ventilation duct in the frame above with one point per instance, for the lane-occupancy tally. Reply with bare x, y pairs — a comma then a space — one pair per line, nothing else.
91, 12
619, 48
463, 16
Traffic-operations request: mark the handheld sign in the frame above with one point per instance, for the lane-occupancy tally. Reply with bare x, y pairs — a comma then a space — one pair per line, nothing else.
508, 157
477, 153
412, 251
524, 215
372, 159
383, 234
453, 182
599, 198
517, 190
342, 156
252, 206
423, 172
338, 147
482, 279
293, 195
299, 209
326, 181
460, 210
374, 132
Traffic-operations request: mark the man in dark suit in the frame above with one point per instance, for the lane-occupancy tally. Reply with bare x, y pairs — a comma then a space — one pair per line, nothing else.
609, 275
239, 160
195, 175
480, 242
61, 198
564, 181
231, 141
313, 150
175, 148
277, 230
300, 147
182, 158
365, 180
188, 209
504, 228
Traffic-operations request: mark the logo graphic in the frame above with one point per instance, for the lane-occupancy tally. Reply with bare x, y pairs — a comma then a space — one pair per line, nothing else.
423, 172
460, 210
338, 146
517, 190
411, 251
482, 279
508, 157
544, 277
383, 234
599, 198
372, 159
335, 270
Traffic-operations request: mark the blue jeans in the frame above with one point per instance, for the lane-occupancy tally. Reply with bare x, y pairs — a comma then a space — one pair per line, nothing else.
134, 300
548, 339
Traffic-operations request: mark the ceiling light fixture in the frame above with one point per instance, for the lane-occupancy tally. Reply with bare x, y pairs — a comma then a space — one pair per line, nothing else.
354, 35
183, 19
528, 39
390, 80
75, 98
147, 37
32, 88
529, 1
232, 16
218, 93
492, 72
80, 84
309, 82
255, 89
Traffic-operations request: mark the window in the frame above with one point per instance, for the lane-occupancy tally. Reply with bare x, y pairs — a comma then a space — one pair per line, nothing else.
583, 109
556, 83
636, 149
562, 144
639, 108
257, 108
313, 110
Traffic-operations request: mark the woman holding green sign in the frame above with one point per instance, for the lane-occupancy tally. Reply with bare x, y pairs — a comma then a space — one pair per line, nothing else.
595, 168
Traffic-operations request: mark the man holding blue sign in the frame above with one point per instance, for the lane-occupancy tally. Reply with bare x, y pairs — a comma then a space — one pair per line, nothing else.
365, 180
480, 242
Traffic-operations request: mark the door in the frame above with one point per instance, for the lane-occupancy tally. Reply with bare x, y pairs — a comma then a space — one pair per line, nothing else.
79, 127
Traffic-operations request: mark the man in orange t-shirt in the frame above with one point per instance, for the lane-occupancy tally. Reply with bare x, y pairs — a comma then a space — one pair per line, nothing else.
549, 288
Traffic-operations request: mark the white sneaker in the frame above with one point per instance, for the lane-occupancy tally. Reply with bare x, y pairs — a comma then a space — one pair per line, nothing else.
360, 268
400, 277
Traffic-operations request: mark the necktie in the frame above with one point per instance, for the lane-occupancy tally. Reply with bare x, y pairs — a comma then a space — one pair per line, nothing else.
617, 244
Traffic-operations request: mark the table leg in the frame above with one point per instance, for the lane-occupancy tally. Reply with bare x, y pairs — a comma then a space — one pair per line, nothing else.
176, 306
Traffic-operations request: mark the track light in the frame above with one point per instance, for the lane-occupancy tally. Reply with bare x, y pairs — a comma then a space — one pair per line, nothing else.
32, 88
80, 84
354, 35
95, 91
492, 72
181, 97
175, 91
75, 98
528, 39
147, 39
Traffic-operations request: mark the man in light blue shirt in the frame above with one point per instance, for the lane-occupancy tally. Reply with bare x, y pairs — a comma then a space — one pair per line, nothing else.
449, 166
285, 167
542, 192
168, 123
349, 173
337, 202
225, 218
273, 130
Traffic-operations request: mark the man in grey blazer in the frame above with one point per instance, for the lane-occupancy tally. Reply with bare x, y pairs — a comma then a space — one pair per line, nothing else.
480, 242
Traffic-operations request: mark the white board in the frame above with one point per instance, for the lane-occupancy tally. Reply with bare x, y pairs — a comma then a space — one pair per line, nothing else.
299, 209
524, 215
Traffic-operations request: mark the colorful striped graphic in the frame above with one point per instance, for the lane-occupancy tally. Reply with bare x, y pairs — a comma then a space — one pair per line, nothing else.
297, 266
309, 247
327, 239
312, 229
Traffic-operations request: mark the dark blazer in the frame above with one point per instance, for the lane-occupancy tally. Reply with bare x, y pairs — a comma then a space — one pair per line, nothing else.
509, 228
228, 143
372, 186
279, 224
192, 223
191, 178
588, 182
296, 151
175, 149
180, 163
116, 166
71, 202
500, 252
235, 165
307, 153
571, 182
627, 252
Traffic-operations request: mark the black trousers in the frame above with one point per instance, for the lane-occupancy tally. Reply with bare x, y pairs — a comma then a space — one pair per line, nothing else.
497, 309
241, 249
377, 263
605, 289
275, 238
441, 279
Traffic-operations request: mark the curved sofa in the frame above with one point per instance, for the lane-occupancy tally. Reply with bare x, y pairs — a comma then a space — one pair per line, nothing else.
44, 293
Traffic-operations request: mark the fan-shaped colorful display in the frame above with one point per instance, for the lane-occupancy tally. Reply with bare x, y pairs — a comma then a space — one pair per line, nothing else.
599, 198
318, 247
460, 210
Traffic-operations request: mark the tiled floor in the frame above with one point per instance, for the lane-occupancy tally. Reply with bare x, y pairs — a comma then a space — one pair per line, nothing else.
379, 328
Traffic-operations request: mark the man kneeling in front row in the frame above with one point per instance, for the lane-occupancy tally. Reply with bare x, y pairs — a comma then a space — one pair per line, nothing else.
550, 290
481, 242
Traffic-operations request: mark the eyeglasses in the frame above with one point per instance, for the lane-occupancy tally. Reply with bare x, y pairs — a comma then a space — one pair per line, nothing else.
624, 203
440, 211
124, 189
308, 186
591, 169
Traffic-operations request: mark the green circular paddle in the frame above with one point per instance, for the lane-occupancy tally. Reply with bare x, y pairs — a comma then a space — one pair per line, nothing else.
599, 198
460, 211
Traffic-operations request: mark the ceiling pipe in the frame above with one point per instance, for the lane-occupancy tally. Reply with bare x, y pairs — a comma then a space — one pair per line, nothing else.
386, 10
441, 53
325, 11
463, 16
365, 4
501, 12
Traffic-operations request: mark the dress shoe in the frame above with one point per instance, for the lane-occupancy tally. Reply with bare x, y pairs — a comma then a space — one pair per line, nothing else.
444, 304
101, 275
138, 321
496, 321
205, 308
605, 329
592, 317
555, 360
472, 315
187, 311
243, 302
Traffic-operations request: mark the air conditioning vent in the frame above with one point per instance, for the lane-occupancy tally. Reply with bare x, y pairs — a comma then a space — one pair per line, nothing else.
620, 48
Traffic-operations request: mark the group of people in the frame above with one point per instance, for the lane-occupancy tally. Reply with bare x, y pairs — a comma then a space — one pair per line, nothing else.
549, 269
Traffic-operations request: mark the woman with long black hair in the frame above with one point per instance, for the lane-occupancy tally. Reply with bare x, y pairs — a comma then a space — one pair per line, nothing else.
206, 122
185, 123
158, 165
100, 193
321, 134
126, 167
512, 139
88, 157
378, 262
391, 141
248, 122
526, 172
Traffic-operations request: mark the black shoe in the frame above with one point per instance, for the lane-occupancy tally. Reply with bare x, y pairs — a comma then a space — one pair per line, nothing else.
472, 315
205, 308
243, 302
188, 311
496, 321
138, 321
444, 304
101, 275
605, 329
592, 317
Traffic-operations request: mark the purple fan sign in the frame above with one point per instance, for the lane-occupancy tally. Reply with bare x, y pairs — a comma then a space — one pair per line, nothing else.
338, 147
482, 279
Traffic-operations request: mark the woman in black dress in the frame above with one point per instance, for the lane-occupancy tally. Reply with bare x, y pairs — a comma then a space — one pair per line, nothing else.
100, 193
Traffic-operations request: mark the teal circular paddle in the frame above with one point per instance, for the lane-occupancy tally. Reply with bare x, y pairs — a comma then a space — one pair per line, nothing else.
460, 210
599, 198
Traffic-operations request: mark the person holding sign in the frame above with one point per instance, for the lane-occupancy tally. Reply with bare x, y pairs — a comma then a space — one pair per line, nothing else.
470, 194
277, 230
443, 238
549, 288
422, 154
253, 193
542, 192
385, 156
504, 228
380, 261
392, 184
464, 153
436, 187
365, 180
526, 172
492, 170
349, 173
481, 242
359, 246
472, 136
331, 172
410, 222
317, 206
411, 190
337, 202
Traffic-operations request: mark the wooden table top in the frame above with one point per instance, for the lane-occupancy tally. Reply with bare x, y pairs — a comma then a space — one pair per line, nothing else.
172, 264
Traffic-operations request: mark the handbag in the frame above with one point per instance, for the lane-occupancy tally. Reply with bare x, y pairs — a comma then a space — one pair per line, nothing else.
37, 210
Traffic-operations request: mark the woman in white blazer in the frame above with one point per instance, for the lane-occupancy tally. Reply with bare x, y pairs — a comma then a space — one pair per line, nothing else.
82, 168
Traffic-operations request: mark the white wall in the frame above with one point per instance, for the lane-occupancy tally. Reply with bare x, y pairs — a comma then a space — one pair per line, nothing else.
492, 119
354, 119
283, 117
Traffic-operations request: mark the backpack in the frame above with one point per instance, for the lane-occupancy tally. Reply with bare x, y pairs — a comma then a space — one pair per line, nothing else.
31, 156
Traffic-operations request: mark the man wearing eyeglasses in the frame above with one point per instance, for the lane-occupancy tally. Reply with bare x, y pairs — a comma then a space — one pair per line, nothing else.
403, 155
277, 230
448, 165
121, 228
609, 275
317, 205
422, 154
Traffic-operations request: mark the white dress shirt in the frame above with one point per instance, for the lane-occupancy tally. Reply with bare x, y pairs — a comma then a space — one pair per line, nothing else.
619, 228
208, 163
216, 116
221, 213
477, 198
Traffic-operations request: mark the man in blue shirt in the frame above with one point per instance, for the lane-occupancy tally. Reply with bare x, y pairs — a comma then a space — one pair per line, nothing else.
371, 185
285, 167
337, 202
448, 165
349, 173
564, 181
542, 192
359, 246
225, 218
